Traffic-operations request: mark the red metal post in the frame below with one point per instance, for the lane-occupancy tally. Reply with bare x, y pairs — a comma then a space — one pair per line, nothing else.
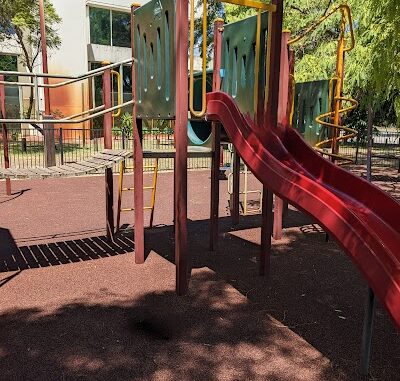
284, 97
44, 57
4, 133
180, 178
137, 161
216, 130
107, 127
271, 121
234, 199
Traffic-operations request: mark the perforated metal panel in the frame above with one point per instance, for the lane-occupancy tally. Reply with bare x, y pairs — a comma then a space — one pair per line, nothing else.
238, 60
154, 49
311, 100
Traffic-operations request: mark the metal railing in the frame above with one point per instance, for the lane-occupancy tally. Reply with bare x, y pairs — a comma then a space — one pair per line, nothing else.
26, 146
259, 6
71, 119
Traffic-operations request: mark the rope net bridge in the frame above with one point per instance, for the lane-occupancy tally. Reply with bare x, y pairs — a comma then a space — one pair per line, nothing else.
96, 163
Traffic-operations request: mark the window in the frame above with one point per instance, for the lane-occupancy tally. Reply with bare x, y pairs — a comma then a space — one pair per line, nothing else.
121, 29
9, 63
108, 27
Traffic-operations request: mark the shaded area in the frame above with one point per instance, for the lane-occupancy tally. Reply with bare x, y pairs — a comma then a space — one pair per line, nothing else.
105, 318
15, 257
14, 195
213, 334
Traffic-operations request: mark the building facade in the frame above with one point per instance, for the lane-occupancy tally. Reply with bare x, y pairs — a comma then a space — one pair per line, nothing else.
91, 32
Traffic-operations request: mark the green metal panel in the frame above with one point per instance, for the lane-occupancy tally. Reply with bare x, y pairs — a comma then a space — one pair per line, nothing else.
154, 49
199, 131
311, 100
238, 60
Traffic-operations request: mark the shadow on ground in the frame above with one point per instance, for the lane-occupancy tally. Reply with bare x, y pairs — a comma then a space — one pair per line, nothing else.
208, 335
212, 334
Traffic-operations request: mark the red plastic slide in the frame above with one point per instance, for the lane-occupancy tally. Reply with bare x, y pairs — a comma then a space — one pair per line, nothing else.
364, 220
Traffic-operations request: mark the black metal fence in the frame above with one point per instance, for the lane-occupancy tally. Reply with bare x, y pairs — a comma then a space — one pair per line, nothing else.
26, 146
385, 149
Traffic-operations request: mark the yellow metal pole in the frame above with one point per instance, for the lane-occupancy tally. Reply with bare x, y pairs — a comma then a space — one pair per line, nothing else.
120, 185
194, 112
153, 193
257, 63
339, 86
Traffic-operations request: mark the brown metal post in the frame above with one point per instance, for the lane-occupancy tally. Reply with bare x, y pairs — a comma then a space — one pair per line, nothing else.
284, 96
49, 143
234, 199
266, 232
137, 160
180, 178
45, 70
271, 121
4, 133
107, 127
216, 130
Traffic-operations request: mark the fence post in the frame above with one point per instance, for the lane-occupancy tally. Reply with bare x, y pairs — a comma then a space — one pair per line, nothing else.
61, 145
4, 133
49, 143
107, 126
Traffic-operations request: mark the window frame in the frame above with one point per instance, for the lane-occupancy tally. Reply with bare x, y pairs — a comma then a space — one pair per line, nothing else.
110, 11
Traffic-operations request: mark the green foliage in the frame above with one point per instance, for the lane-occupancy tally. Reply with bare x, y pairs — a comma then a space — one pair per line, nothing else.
372, 68
19, 22
124, 126
214, 11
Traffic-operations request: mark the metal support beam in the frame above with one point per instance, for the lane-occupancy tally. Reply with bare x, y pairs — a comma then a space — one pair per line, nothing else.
107, 127
234, 197
45, 69
180, 175
49, 143
270, 121
266, 232
137, 161
278, 218
368, 327
216, 131
4, 133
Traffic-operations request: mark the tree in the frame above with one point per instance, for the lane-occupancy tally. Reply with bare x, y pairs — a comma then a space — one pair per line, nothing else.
372, 68
214, 10
20, 26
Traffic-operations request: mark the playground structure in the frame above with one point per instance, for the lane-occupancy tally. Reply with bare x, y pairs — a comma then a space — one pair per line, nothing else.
324, 104
360, 217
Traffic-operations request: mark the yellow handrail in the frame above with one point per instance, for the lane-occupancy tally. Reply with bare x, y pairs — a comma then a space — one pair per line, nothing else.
252, 4
202, 112
247, 3
344, 8
257, 59
118, 75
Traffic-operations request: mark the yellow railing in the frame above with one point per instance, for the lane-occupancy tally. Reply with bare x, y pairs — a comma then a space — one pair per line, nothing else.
119, 92
247, 3
344, 8
200, 113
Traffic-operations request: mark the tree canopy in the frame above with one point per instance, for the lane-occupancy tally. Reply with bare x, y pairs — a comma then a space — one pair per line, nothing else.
372, 68
20, 25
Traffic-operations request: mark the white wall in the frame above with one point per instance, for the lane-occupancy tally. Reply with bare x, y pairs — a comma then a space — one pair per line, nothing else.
72, 57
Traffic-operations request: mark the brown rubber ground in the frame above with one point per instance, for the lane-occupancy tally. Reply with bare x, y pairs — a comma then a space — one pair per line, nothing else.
75, 307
